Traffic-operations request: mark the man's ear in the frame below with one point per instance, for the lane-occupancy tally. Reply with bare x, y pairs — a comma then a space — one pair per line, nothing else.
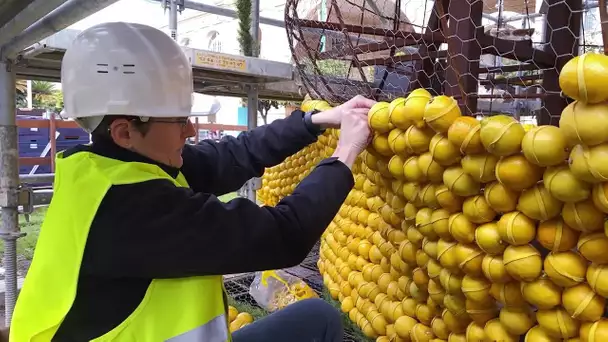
120, 131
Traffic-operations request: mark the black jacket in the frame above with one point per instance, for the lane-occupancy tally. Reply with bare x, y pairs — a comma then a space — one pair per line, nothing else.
156, 230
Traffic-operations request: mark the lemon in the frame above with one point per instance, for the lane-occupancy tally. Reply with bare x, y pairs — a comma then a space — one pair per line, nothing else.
583, 77
441, 112
564, 185
501, 135
584, 123
398, 115
517, 173
545, 146
379, 117
415, 104
464, 134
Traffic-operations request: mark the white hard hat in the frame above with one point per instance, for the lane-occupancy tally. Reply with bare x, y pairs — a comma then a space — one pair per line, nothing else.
125, 69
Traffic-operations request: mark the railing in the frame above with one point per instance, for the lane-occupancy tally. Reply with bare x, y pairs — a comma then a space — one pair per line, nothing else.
53, 124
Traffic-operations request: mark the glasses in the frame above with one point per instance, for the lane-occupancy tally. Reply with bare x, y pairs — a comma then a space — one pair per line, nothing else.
183, 122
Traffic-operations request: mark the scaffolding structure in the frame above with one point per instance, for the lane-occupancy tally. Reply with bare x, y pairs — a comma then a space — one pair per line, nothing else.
26, 53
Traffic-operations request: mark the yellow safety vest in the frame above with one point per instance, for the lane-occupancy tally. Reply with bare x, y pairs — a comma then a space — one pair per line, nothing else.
175, 310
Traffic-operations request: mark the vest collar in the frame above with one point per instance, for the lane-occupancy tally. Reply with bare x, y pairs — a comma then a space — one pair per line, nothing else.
107, 148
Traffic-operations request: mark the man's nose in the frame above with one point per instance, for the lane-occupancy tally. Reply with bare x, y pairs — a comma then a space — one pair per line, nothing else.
190, 130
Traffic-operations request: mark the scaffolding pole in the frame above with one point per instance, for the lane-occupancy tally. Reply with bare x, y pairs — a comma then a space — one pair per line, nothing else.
9, 186
173, 19
62, 17
252, 90
29, 15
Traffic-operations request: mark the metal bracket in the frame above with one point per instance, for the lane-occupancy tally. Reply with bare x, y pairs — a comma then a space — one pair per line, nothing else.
165, 4
25, 200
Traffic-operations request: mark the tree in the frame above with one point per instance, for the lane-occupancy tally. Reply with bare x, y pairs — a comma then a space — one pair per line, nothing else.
264, 107
21, 94
46, 96
243, 10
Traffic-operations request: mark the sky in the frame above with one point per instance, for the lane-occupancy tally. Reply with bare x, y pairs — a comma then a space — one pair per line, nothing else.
148, 12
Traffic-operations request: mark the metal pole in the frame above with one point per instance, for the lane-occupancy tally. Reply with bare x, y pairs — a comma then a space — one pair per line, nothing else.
29, 15
64, 16
255, 28
252, 90
252, 122
9, 183
173, 19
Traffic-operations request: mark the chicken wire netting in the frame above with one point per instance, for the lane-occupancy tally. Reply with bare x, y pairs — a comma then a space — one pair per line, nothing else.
493, 56
237, 286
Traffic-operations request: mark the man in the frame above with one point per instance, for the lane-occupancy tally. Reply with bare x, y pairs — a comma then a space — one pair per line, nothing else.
135, 241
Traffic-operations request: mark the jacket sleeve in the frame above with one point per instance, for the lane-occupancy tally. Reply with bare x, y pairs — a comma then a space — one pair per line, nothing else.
222, 167
156, 230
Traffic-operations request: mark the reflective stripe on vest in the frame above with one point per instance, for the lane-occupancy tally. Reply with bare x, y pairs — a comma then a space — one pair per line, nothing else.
178, 310
212, 331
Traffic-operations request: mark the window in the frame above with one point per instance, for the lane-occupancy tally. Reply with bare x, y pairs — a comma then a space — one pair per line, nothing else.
214, 41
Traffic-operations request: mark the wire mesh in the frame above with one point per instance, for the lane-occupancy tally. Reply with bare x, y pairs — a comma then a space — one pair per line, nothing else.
493, 56
237, 287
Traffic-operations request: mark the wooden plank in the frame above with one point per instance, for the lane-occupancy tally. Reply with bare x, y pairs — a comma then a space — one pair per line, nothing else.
45, 123
35, 160
33, 123
219, 127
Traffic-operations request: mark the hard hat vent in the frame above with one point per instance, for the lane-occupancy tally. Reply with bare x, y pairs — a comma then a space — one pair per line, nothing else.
102, 68
127, 69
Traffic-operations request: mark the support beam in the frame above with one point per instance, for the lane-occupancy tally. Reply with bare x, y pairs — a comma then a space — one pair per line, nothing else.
426, 69
561, 35
9, 183
64, 16
434, 37
226, 12
368, 48
29, 15
384, 61
464, 51
521, 50
604, 23
507, 68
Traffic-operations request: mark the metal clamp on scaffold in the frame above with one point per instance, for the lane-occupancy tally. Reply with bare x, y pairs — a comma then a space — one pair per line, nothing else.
25, 201
167, 3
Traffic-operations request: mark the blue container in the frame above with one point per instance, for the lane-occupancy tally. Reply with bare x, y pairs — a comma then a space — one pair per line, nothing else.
27, 169
72, 134
32, 149
242, 116
396, 83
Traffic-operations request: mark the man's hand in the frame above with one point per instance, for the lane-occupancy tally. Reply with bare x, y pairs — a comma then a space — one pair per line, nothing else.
355, 135
332, 118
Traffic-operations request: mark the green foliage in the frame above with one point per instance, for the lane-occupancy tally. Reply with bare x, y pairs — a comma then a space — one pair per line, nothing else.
243, 10
26, 244
338, 68
264, 107
255, 311
44, 95
328, 67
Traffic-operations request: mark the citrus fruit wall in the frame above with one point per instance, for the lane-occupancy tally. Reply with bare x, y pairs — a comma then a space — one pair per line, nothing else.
466, 230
